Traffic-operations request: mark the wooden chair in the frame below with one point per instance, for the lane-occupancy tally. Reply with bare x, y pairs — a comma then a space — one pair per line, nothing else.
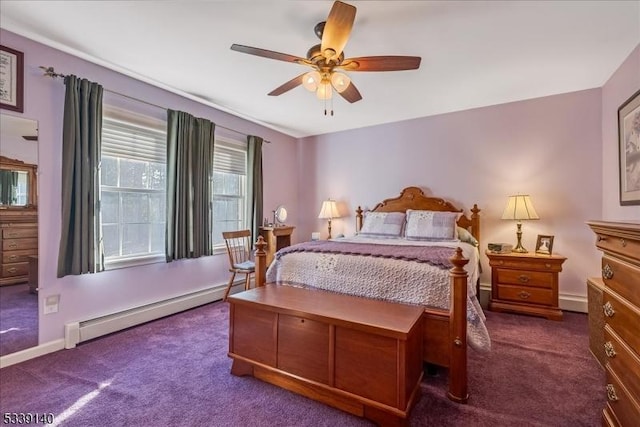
239, 251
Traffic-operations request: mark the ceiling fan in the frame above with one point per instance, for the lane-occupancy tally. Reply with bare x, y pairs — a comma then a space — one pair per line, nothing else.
327, 59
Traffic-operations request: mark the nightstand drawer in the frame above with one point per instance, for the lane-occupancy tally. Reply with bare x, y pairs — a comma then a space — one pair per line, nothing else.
537, 263
622, 278
525, 294
525, 278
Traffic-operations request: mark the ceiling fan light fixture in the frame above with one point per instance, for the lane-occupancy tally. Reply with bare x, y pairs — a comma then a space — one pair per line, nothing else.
324, 91
311, 81
340, 81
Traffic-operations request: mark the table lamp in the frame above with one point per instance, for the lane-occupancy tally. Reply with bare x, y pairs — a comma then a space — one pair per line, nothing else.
328, 211
519, 208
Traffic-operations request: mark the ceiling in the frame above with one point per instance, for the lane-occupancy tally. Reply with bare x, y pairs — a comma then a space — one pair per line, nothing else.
474, 53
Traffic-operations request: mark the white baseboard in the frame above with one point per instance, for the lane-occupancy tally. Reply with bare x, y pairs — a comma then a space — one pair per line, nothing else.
31, 353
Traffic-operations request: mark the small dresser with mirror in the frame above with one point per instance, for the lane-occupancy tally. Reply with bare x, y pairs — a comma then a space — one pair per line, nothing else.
277, 235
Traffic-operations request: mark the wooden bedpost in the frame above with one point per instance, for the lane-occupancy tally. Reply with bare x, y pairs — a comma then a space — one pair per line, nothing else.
458, 330
261, 262
475, 222
358, 219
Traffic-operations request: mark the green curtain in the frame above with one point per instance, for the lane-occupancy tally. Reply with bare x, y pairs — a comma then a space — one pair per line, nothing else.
254, 181
80, 243
190, 143
8, 185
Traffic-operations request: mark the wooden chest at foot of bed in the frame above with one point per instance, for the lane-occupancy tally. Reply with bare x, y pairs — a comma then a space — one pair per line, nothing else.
359, 355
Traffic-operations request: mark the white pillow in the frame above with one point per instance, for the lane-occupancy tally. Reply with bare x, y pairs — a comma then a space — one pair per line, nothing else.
465, 236
430, 225
382, 224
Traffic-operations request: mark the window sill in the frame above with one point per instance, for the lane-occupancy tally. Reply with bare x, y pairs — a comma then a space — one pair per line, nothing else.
133, 262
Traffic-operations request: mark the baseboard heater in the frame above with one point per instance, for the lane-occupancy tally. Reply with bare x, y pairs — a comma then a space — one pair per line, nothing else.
77, 332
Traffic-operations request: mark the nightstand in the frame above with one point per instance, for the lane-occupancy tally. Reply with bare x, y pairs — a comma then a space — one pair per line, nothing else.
276, 239
525, 283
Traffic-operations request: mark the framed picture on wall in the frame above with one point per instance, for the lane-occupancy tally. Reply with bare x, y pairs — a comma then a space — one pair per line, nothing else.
11, 79
629, 150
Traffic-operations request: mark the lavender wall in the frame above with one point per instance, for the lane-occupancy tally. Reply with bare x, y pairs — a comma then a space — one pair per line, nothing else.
88, 296
622, 84
549, 148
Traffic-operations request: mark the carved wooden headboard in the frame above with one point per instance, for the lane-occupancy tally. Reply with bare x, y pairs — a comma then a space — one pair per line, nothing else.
414, 198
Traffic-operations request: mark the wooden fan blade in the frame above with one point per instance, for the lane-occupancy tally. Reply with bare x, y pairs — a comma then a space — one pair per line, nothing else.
381, 63
351, 93
269, 54
294, 82
337, 29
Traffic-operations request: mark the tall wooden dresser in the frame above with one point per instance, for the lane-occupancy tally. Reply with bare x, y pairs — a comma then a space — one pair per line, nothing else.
620, 244
18, 241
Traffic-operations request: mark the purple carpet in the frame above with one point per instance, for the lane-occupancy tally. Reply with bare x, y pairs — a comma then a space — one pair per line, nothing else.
175, 372
18, 318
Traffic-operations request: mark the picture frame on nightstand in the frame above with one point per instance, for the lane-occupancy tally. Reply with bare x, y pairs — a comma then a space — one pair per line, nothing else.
544, 245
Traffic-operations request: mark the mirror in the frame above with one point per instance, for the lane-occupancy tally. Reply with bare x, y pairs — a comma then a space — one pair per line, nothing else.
18, 234
280, 215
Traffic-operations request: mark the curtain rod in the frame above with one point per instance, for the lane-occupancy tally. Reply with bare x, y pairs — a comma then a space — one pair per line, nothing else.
50, 72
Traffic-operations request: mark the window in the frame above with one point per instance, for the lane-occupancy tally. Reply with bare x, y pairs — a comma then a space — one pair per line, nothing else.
229, 188
133, 190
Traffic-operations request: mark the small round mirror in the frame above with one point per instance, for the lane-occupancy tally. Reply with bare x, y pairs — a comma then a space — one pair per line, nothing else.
281, 214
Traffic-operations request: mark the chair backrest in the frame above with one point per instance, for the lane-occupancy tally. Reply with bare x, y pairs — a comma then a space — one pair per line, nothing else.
238, 246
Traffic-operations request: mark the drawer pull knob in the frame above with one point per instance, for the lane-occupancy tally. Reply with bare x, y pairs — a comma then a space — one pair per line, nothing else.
13, 257
12, 245
608, 309
607, 272
500, 262
547, 265
523, 278
611, 393
601, 238
608, 348
524, 294
623, 243
12, 270
457, 342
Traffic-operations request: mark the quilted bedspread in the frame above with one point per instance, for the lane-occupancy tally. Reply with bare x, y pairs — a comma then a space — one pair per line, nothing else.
396, 271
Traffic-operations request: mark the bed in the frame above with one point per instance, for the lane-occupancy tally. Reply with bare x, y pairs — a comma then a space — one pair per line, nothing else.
380, 265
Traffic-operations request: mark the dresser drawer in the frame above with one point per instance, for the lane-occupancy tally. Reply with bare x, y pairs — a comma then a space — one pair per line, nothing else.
622, 278
525, 294
15, 244
8, 257
619, 401
525, 278
19, 232
16, 269
623, 318
626, 247
622, 359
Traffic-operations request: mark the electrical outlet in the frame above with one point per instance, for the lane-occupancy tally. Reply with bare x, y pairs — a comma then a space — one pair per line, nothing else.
51, 304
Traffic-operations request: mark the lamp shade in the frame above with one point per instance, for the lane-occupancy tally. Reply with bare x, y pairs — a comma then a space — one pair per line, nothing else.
329, 210
520, 208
